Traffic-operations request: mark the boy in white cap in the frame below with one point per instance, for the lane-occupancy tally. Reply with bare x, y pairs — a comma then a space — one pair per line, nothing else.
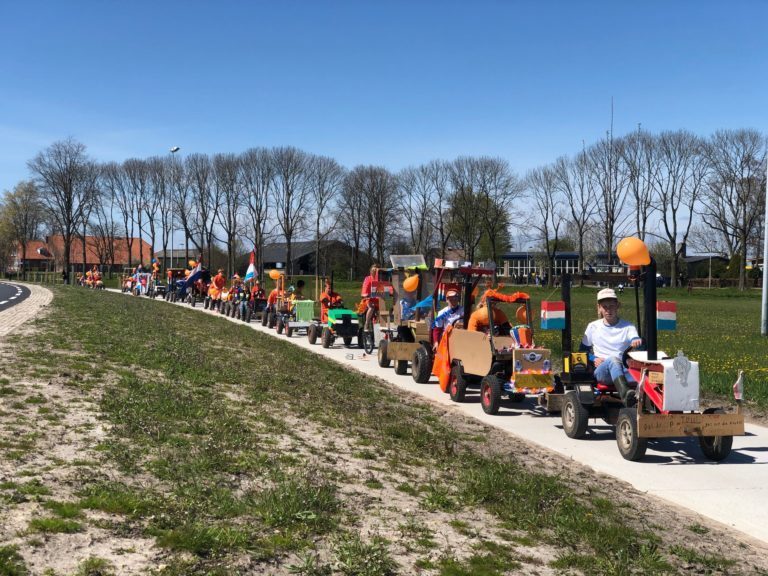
447, 316
607, 338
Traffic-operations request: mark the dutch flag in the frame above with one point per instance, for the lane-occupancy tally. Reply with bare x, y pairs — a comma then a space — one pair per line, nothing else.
251, 272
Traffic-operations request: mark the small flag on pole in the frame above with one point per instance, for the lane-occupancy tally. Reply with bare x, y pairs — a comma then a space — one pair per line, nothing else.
552, 315
666, 315
251, 272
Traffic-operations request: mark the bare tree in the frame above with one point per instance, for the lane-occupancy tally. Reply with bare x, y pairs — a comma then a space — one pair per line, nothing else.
439, 174
162, 198
227, 185
114, 180
575, 185
733, 195
292, 194
326, 177
548, 217
64, 175
498, 188
104, 229
23, 213
681, 173
465, 222
204, 200
417, 193
351, 210
256, 176
381, 201
181, 202
610, 182
637, 154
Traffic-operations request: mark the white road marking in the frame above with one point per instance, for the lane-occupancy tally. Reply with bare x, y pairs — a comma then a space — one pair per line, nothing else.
3, 302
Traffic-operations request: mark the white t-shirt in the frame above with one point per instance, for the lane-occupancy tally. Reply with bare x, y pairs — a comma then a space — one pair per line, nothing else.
608, 341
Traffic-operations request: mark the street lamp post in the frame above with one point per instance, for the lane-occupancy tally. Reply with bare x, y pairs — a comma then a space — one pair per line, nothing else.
174, 149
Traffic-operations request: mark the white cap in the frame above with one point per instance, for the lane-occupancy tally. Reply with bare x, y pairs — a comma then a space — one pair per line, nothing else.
606, 293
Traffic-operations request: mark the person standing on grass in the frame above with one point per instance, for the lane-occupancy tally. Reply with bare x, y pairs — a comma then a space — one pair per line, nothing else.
606, 339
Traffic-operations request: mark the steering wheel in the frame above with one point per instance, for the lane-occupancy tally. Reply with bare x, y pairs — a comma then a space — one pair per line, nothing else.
625, 354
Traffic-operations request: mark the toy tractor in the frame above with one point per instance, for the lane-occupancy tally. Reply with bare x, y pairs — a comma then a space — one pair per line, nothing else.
503, 361
406, 329
666, 400
335, 321
298, 316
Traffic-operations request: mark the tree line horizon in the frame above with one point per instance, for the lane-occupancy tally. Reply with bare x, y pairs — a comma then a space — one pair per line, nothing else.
672, 189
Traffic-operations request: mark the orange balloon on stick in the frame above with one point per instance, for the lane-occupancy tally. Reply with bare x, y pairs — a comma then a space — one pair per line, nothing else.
633, 251
411, 283
274, 274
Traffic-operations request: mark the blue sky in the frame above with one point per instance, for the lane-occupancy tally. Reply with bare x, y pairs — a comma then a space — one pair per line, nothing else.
393, 83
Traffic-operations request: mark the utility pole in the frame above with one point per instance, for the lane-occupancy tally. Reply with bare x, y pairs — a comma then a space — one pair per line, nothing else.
764, 322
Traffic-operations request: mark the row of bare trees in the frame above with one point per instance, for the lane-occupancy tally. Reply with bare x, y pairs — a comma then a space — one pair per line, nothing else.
674, 187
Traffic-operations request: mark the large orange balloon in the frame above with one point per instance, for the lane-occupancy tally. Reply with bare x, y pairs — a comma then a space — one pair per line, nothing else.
274, 274
633, 251
411, 283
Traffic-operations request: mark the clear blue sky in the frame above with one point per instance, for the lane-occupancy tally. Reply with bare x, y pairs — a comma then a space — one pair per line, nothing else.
391, 82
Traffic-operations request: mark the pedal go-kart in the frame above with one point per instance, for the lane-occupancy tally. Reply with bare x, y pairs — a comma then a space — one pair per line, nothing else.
666, 399
405, 332
295, 316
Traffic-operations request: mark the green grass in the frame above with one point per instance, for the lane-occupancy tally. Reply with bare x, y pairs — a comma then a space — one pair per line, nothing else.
11, 562
197, 407
54, 525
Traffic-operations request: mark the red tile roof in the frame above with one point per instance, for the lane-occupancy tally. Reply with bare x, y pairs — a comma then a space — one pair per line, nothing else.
56, 245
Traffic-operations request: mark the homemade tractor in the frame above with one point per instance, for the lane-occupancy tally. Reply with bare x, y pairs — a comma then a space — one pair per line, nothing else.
406, 328
502, 360
336, 321
666, 399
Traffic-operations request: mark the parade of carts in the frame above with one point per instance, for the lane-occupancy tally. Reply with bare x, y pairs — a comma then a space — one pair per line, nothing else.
481, 349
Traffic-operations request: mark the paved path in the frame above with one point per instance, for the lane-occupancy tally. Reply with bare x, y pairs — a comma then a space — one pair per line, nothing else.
734, 492
12, 294
15, 314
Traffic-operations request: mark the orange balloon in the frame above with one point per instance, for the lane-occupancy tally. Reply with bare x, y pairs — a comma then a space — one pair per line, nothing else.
192, 263
411, 283
633, 251
274, 274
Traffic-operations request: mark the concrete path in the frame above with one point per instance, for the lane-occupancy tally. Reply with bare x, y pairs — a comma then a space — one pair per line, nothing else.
734, 492
17, 314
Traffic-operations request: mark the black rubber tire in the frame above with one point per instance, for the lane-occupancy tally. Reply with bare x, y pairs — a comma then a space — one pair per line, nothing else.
327, 338
248, 314
421, 365
575, 417
233, 309
289, 331
206, 303
401, 367
368, 343
312, 333
192, 301
279, 325
490, 394
631, 447
457, 386
347, 341
272, 320
264, 318
384, 361
715, 448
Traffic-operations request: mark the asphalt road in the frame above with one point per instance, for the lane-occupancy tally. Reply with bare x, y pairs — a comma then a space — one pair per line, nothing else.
11, 294
733, 492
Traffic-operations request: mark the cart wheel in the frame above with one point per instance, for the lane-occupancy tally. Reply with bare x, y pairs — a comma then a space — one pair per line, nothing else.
368, 343
272, 320
384, 361
347, 340
421, 365
575, 416
279, 325
248, 314
401, 367
490, 394
327, 337
457, 387
264, 318
631, 446
312, 333
715, 448
192, 301
288, 331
